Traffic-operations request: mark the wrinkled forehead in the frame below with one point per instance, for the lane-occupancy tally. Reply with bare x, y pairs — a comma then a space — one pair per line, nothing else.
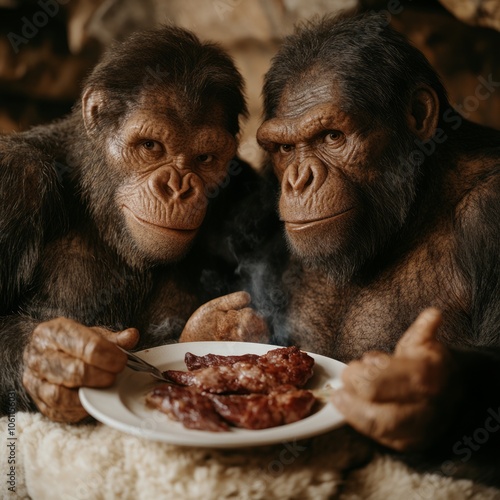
303, 93
317, 98
176, 107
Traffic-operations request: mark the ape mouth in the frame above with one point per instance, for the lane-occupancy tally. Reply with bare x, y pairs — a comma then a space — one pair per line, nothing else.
310, 223
161, 227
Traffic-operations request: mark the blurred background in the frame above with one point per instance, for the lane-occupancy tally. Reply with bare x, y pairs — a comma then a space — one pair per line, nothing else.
48, 46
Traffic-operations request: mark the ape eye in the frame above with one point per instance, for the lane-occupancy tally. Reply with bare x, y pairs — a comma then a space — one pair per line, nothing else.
205, 159
333, 137
153, 146
286, 148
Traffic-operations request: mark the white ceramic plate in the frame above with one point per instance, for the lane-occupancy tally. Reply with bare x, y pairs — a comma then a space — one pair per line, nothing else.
123, 407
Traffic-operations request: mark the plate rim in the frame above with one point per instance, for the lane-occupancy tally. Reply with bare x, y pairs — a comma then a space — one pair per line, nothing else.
124, 420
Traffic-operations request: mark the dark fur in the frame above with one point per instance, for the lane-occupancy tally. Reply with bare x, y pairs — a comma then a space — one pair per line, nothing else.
64, 250
376, 68
433, 228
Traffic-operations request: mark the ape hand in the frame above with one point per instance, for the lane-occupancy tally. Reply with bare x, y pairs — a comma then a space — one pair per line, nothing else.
226, 318
402, 401
64, 355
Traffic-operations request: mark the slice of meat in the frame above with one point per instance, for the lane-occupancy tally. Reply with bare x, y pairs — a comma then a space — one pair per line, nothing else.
194, 362
289, 365
260, 374
261, 411
188, 406
240, 378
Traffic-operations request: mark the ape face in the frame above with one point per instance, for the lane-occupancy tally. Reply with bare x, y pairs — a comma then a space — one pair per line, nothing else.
347, 105
160, 164
158, 125
343, 192
172, 163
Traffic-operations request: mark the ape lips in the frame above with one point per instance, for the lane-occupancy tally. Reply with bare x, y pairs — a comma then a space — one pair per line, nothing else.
249, 391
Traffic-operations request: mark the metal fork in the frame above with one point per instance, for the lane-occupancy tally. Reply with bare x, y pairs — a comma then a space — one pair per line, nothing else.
137, 364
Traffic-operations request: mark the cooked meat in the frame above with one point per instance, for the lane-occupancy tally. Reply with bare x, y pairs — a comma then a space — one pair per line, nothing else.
243, 375
260, 411
188, 406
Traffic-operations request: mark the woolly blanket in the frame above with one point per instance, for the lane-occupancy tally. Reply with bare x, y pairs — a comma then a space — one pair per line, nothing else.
93, 461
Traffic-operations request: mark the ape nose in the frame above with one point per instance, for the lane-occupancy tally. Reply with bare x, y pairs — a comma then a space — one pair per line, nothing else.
171, 183
304, 176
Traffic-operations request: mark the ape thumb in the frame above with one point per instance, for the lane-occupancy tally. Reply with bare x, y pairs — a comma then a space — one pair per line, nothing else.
235, 300
421, 332
128, 338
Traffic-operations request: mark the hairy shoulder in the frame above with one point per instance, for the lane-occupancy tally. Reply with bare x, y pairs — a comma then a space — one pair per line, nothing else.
25, 165
477, 213
478, 249
31, 208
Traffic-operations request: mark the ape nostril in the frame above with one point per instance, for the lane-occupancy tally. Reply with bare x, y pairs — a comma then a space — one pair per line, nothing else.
309, 181
172, 184
187, 187
167, 183
293, 178
302, 180
167, 190
308, 176
186, 193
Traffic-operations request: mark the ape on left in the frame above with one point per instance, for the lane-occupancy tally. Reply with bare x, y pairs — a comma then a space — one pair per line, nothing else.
98, 206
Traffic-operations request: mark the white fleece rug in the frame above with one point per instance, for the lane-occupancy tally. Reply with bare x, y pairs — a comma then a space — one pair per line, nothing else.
63, 462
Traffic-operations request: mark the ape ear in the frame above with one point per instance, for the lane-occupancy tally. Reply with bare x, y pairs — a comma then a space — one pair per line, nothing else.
423, 115
92, 104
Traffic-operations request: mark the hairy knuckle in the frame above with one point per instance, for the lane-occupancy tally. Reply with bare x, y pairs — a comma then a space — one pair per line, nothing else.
75, 372
47, 327
53, 395
371, 423
29, 381
38, 330
90, 347
32, 361
250, 320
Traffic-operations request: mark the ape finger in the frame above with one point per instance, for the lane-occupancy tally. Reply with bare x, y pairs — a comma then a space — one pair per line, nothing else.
421, 333
249, 326
70, 416
401, 427
401, 380
55, 402
376, 358
79, 341
233, 301
125, 338
59, 368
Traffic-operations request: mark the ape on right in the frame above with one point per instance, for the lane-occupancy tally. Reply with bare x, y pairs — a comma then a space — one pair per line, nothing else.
390, 202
